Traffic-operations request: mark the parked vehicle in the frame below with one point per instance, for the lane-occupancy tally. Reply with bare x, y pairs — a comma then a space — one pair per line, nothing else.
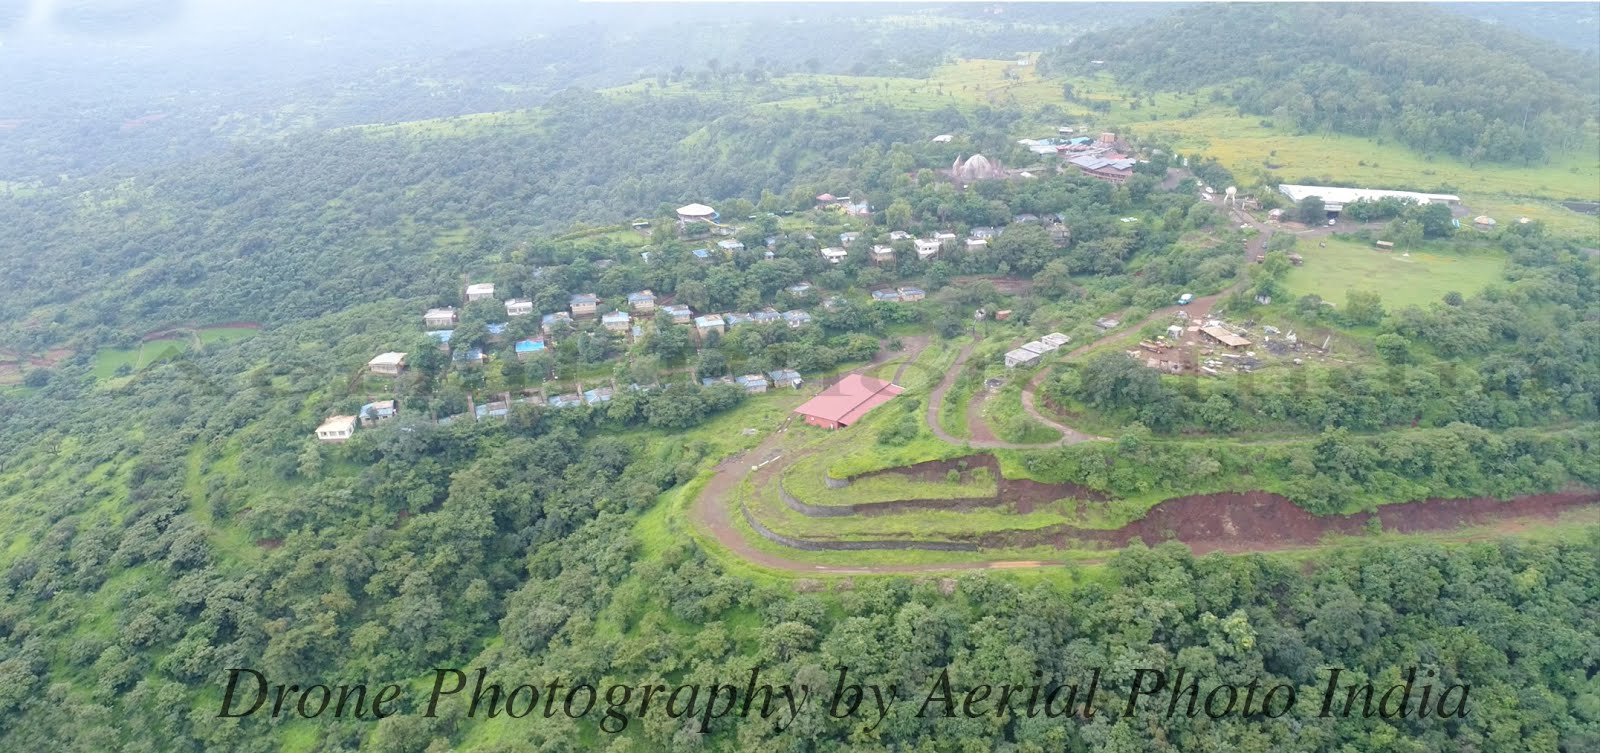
1183, 300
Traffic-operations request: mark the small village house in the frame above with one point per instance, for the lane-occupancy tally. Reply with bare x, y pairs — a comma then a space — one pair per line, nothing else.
910, 294
834, 255
752, 383
468, 357
598, 395
375, 412
439, 318
696, 213
616, 321
847, 239
736, 318
680, 313
785, 378
701, 254
1221, 336
730, 246
583, 304
977, 244
899, 235
882, 254
443, 336
642, 302
886, 296
483, 291
796, 318
928, 247
799, 289
528, 348
336, 429
1021, 358
519, 307
387, 364
1055, 339
708, 323
549, 323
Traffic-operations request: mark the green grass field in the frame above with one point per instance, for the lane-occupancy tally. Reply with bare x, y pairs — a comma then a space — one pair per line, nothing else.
1419, 278
108, 360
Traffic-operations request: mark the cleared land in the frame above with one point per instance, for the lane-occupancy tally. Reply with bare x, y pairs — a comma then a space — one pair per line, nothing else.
1401, 278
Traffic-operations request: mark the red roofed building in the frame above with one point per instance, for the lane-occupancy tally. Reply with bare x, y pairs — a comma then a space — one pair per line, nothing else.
845, 403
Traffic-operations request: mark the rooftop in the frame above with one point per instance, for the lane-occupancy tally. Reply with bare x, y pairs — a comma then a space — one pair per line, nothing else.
849, 399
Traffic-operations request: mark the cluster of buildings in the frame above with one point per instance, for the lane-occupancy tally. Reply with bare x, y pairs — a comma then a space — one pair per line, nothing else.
1030, 353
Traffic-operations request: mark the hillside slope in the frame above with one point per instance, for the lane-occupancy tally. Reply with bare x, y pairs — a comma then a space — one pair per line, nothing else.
1433, 80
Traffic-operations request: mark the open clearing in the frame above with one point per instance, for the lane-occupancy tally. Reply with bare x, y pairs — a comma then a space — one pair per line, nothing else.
169, 345
1419, 278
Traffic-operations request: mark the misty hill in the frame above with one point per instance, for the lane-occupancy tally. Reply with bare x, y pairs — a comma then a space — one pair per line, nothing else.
1434, 80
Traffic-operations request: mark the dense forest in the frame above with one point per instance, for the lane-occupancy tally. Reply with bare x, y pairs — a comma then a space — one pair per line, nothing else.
1432, 80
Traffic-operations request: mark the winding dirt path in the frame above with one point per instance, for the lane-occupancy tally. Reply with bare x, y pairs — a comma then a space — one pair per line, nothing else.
711, 510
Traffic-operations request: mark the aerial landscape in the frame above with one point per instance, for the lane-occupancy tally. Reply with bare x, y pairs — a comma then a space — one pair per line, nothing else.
495, 376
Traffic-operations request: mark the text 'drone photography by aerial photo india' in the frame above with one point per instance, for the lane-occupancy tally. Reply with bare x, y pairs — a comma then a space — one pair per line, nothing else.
928, 376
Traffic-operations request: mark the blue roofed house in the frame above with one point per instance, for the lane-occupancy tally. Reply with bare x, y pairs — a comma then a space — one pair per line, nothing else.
713, 381
550, 322
642, 302
703, 254
497, 332
796, 318
496, 409
443, 336
680, 313
529, 347
752, 383
468, 357
616, 321
375, 412
735, 318
845, 239
598, 395
886, 296
730, 245
709, 323
785, 378
569, 400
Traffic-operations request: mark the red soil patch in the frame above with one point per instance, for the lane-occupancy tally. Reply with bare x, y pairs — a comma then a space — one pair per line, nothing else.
1262, 521
1025, 494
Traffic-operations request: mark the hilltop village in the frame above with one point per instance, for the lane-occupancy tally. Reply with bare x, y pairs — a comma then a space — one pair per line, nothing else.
816, 281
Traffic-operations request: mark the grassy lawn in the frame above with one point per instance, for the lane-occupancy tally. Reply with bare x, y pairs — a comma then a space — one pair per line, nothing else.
1418, 279
1005, 416
108, 360
804, 481
931, 525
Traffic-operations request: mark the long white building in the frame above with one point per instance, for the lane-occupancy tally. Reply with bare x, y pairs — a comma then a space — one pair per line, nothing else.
1335, 198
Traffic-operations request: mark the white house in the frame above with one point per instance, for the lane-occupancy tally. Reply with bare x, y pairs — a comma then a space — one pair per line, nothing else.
1021, 357
483, 291
928, 247
519, 307
834, 255
336, 428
